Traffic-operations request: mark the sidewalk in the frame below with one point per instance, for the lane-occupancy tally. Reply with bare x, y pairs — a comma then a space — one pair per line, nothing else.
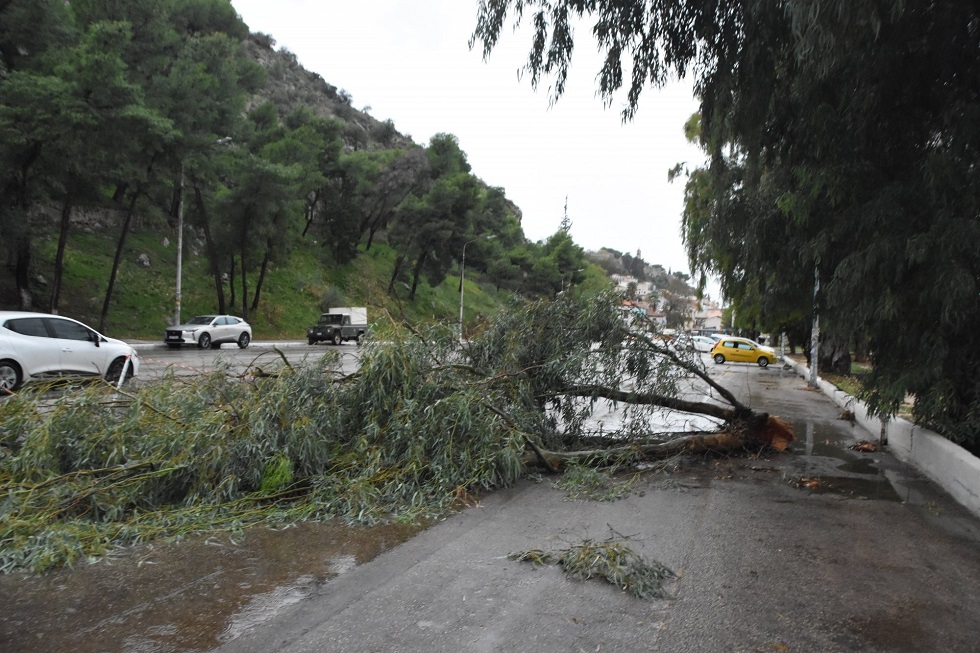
945, 463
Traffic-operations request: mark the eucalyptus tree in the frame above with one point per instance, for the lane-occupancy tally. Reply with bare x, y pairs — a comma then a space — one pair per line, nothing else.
843, 133
424, 420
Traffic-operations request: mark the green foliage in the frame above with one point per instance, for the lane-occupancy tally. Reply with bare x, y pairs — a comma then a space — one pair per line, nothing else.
424, 420
97, 470
585, 482
614, 562
277, 476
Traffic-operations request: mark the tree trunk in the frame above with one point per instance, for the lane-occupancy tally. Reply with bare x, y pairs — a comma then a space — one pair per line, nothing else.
394, 274
231, 282
22, 274
219, 288
835, 356
416, 274
120, 245
370, 239
258, 284
311, 211
244, 288
687, 444
59, 259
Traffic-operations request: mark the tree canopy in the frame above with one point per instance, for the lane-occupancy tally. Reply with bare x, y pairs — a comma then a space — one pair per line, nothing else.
842, 140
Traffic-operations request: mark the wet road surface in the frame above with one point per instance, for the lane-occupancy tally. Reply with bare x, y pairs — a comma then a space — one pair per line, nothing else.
186, 596
819, 549
159, 360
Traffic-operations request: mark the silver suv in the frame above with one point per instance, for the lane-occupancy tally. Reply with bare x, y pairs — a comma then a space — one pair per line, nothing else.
37, 345
210, 331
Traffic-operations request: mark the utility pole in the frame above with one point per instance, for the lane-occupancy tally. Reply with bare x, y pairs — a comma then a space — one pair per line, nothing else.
180, 242
462, 279
815, 330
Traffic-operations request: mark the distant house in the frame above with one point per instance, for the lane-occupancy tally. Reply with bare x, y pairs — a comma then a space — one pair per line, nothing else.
656, 319
708, 319
643, 288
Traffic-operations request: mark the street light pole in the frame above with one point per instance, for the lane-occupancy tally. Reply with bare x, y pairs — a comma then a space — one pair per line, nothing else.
180, 242
225, 140
462, 279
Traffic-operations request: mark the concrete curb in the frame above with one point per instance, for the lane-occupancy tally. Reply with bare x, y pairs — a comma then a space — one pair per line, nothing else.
945, 463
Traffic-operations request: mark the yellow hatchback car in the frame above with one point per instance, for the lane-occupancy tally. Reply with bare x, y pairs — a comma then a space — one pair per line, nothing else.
742, 350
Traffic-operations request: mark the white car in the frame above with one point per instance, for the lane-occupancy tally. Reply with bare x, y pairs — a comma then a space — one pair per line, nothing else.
210, 331
35, 346
702, 343
693, 343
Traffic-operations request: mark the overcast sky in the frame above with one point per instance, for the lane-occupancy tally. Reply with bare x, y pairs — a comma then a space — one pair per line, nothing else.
409, 61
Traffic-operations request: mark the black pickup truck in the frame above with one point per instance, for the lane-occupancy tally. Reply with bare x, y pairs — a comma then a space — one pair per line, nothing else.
339, 325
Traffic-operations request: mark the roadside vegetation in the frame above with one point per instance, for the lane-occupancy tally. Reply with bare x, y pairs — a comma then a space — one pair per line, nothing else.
424, 422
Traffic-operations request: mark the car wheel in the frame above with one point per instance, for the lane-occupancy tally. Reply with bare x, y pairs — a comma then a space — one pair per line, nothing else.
336, 338
115, 370
204, 341
10, 376
719, 358
357, 339
243, 340
312, 341
763, 361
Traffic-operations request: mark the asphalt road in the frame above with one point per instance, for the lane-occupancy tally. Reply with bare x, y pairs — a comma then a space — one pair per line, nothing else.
158, 360
818, 549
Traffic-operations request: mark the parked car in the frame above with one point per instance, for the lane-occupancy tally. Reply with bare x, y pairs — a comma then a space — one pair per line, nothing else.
210, 331
742, 350
35, 346
693, 343
682, 343
702, 343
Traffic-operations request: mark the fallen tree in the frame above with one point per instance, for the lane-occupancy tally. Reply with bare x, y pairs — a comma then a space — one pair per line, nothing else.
424, 421
570, 355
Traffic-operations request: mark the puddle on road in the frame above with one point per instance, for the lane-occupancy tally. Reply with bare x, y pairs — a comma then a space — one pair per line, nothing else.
188, 596
828, 466
856, 488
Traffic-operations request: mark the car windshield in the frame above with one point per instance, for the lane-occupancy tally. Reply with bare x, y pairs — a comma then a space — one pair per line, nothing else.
202, 319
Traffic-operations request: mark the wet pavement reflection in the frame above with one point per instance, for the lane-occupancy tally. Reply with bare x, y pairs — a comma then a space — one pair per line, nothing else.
186, 596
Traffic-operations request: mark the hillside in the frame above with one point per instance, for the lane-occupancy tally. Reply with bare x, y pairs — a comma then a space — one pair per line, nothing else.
289, 197
294, 294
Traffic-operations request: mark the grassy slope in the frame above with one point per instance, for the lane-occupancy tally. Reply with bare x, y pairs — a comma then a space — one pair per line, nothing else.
143, 299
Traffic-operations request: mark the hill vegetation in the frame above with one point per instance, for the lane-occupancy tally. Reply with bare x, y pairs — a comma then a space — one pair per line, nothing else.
129, 127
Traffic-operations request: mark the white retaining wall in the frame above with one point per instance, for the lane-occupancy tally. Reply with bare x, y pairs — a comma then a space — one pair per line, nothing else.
945, 463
